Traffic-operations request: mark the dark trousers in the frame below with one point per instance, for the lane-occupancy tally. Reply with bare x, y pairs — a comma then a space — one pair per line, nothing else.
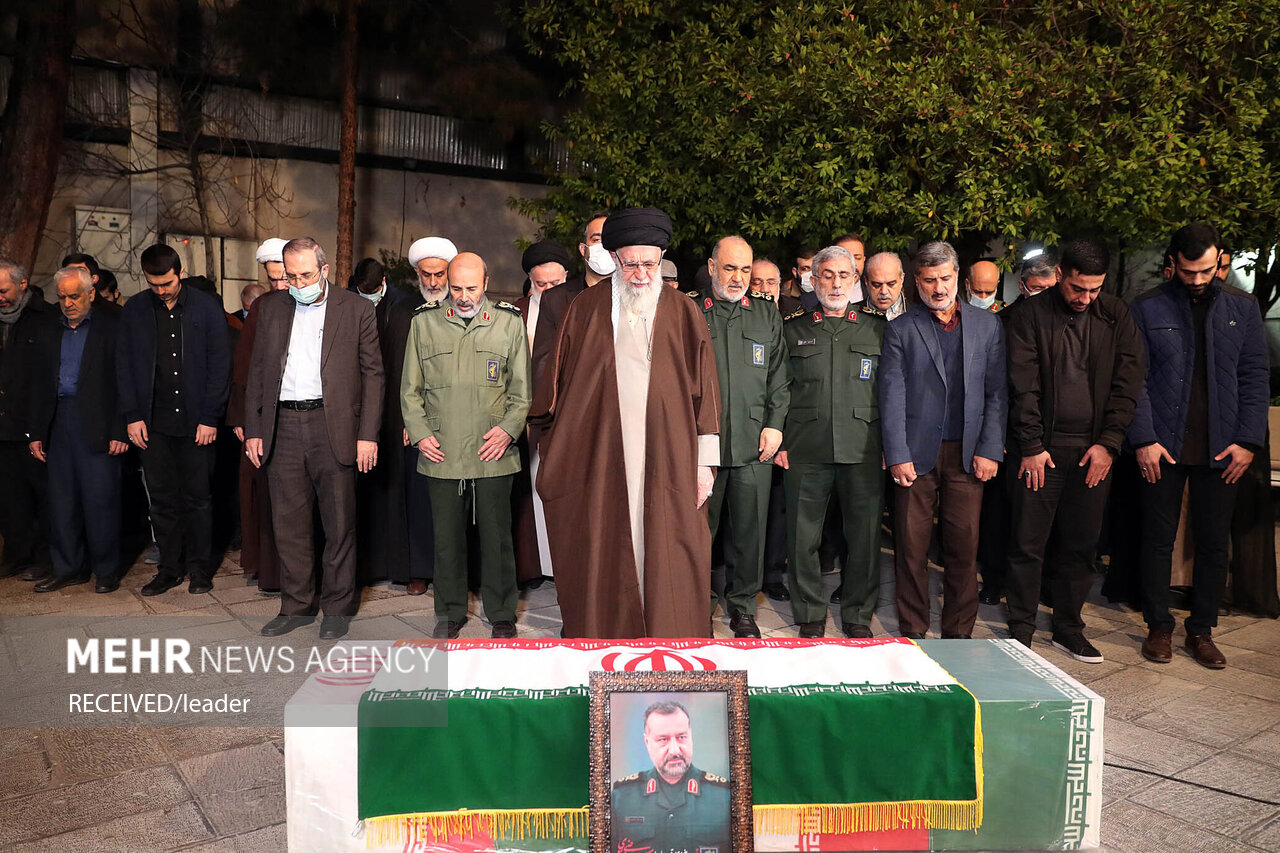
741, 495
487, 502
422, 536
258, 555
1055, 528
1210, 506
24, 514
994, 527
775, 538
179, 479
85, 487
301, 473
809, 488
958, 498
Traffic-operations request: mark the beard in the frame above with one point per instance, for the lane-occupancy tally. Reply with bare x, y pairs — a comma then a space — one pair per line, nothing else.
432, 294
835, 306
637, 300
470, 310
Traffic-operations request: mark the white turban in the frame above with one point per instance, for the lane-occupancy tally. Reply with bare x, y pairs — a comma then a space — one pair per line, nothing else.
432, 247
272, 249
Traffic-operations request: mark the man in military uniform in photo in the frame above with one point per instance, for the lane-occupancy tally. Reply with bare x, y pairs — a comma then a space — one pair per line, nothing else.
673, 806
751, 363
831, 443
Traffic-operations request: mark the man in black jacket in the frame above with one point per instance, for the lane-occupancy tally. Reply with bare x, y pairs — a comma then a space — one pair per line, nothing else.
76, 428
23, 515
1076, 365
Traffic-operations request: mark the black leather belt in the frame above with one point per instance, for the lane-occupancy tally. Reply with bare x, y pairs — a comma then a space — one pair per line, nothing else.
302, 405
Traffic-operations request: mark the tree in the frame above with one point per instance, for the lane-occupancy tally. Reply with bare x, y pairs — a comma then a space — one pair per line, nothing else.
349, 62
31, 129
970, 120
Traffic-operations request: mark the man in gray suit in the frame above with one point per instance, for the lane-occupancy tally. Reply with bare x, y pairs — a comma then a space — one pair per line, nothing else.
313, 407
943, 406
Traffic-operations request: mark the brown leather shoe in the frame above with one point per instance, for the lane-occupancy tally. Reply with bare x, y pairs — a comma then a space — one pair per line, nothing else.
417, 586
1158, 647
1205, 652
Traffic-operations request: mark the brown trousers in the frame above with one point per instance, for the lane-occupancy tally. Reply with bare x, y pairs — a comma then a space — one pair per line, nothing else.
257, 540
960, 495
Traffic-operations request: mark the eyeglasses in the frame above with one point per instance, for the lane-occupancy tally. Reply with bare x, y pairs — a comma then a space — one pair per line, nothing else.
635, 266
832, 275
303, 278
758, 283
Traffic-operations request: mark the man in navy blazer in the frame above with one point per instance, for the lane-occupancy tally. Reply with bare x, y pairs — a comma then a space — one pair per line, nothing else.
943, 407
174, 368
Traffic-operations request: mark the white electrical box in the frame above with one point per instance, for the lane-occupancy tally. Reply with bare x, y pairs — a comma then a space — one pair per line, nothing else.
104, 233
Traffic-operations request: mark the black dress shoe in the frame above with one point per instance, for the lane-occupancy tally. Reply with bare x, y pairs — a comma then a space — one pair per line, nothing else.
333, 627
957, 636
105, 586
199, 587
35, 573
448, 629
913, 635
159, 584
53, 584
989, 595
284, 624
854, 631
269, 592
503, 629
813, 630
743, 626
835, 595
777, 591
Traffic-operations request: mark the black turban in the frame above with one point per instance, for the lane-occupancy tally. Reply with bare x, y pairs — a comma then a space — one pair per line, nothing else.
636, 226
544, 252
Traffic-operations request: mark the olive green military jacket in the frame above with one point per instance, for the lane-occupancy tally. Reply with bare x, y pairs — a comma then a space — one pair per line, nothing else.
751, 365
834, 364
461, 380
651, 815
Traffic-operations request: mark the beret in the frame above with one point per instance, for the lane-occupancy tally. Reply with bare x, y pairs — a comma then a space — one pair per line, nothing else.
636, 226
544, 252
432, 247
272, 249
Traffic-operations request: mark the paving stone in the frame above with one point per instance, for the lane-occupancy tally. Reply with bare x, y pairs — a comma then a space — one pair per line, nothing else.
188, 742
25, 762
1262, 663
91, 753
1233, 772
1131, 744
235, 592
101, 607
392, 605
1231, 678
83, 804
1136, 691
1263, 747
1257, 635
1212, 716
1265, 837
239, 789
1131, 828
270, 839
157, 830
257, 612
1222, 813
381, 628
1119, 784
152, 624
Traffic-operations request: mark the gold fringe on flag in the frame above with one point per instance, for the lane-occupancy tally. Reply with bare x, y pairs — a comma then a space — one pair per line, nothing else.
515, 824
849, 818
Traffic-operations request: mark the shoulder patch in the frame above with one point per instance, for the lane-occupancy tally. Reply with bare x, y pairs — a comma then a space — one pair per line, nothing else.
634, 777
759, 294
427, 306
867, 309
508, 306
794, 314
692, 294
708, 776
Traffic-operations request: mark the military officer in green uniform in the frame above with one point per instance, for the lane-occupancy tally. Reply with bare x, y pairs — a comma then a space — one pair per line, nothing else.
465, 395
832, 442
673, 806
751, 365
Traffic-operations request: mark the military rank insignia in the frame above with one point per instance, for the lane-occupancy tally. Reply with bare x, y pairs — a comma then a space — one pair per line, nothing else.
864, 372
757, 355
491, 372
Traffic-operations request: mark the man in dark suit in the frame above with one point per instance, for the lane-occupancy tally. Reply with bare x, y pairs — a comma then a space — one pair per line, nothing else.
23, 511
174, 364
313, 407
76, 428
943, 410
551, 312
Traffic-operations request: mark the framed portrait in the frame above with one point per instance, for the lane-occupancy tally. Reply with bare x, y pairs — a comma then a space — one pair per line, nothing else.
670, 763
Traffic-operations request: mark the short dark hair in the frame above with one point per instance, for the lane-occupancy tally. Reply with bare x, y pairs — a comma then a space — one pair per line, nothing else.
107, 282
804, 253
81, 258
664, 708
367, 276
852, 235
1086, 257
199, 282
1192, 241
586, 223
161, 259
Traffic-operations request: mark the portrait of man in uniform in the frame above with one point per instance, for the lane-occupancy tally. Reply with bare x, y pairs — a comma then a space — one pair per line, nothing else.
672, 804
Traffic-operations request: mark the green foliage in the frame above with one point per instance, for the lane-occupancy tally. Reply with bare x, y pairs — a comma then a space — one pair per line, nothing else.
397, 270
791, 122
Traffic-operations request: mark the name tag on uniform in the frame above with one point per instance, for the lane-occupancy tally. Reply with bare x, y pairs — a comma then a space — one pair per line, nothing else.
864, 372
757, 355
807, 343
491, 372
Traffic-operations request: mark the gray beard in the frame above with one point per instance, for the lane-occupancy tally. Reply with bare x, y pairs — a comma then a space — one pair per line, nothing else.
637, 302
434, 296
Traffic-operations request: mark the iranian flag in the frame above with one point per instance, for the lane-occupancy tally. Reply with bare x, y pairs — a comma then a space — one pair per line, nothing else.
845, 735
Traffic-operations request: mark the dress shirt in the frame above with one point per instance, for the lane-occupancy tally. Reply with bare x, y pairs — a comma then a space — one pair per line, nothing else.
301, 380
168, 408
72, 354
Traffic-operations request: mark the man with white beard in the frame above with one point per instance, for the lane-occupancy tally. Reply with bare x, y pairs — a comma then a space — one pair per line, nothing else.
630, 412
430, 257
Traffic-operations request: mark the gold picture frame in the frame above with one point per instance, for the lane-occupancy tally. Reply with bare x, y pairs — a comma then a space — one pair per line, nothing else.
634, 711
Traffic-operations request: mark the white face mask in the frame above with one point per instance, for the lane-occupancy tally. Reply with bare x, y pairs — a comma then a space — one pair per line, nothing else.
806, 282
981, 302
376, 296
308, 294
599, 259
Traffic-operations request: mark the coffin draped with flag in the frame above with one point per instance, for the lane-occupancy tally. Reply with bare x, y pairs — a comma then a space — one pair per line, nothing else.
846, 736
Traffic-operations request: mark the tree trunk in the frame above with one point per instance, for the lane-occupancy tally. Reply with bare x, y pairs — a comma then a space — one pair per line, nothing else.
31, 131
342, 256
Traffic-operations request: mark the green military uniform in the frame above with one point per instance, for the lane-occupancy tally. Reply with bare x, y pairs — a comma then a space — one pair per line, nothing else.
751, 365
832, 439
462, 378
647, 813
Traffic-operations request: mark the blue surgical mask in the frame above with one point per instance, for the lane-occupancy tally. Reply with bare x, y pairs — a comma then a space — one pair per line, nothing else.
376, 296
981, 302
308, 294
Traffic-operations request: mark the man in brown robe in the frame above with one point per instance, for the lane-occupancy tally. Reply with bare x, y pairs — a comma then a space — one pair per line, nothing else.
630, 405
